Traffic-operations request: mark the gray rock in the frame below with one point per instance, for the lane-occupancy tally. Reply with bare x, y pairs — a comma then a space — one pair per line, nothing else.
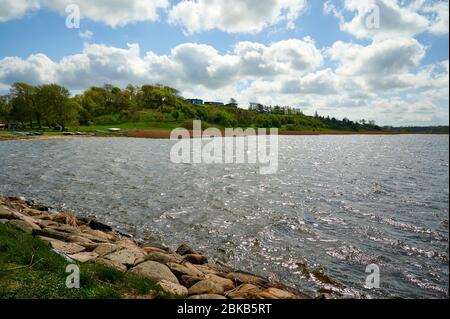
155, 271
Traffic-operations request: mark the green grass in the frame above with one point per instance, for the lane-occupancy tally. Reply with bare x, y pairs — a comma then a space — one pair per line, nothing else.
29, 269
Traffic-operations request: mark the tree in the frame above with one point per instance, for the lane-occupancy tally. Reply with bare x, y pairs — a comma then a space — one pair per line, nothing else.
62, 110
4, 108
22, 103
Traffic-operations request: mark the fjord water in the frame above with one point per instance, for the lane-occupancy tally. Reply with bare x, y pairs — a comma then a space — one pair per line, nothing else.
336, 205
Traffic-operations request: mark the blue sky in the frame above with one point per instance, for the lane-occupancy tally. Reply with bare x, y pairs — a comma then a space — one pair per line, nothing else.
316, 55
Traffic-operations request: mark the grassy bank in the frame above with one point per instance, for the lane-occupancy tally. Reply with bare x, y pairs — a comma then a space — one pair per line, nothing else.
30, 269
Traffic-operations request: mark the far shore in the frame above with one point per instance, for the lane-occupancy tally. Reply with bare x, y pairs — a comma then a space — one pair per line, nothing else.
165, 134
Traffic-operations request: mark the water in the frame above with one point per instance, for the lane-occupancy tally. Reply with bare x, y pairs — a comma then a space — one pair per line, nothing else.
336, 205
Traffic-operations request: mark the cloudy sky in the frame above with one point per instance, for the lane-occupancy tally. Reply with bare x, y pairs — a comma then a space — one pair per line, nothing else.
337, 57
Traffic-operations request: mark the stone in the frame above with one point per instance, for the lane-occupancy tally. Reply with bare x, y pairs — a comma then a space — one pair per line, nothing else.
206, 287
207, 297
4, 221
127, 243
155, 271
275, 293
172, 288
84, 256
23, 226
189, 281
226, 284
246, 278
184, 269
111, 263
150, 249
66, 248
51, 233
105, 249
127, 257
45, 223
245, 291
162, 258
5, 213
206, 269
184, 250
96, 225
97, 235
196, 259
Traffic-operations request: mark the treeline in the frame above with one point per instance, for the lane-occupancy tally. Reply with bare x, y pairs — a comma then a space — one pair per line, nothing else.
52, 106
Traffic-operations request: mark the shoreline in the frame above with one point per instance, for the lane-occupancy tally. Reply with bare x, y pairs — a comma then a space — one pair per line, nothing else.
165, 134
184, 272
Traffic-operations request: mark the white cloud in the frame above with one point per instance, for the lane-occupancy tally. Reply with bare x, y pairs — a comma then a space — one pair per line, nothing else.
234, 16
112, 13
357, 81
86, 34
14, 9
396, 18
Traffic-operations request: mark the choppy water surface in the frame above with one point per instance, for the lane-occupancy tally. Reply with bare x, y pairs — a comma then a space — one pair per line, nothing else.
336, 205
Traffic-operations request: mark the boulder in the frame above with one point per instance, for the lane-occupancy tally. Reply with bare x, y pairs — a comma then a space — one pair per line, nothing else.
226, 284
162, 258
96, 225
206, 287
150, 249
155, 271
189, 281
84, 257
23, 226
196, 259
111, 263
172, 288
184, 269
97, 235
127, 257
5, 213
66, 248
206, 269
207, 297
245, 291
184, 250
246, 278
105, 249
51, 233
275, 293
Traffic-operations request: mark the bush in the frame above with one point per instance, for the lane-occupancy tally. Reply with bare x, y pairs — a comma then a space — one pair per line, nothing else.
107, 119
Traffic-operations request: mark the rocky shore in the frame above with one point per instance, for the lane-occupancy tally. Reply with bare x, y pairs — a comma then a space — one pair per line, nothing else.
185, 272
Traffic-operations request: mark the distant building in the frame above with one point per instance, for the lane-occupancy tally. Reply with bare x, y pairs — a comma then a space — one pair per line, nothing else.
195, 101
215, 103
234, 104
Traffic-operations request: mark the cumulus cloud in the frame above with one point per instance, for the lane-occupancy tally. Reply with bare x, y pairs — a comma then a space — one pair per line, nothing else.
14, 9
234, 16
396, 18
112, 13
346, 78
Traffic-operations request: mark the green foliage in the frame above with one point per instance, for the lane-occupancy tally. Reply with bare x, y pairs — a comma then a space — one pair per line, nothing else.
110, 105
30, 269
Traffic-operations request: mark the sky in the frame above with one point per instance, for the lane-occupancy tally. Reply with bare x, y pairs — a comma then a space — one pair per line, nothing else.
381, 60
